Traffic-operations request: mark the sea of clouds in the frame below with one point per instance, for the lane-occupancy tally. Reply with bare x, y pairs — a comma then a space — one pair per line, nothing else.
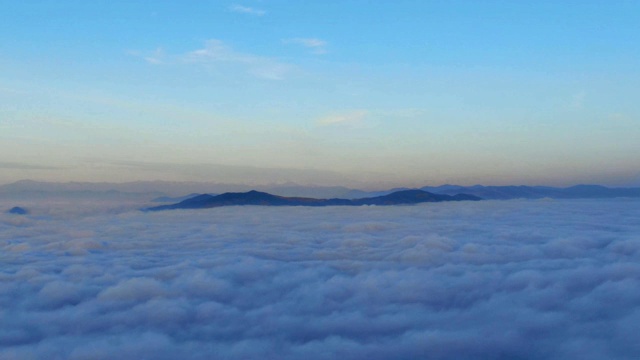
467, 280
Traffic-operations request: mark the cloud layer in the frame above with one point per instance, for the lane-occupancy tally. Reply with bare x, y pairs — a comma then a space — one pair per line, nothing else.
489, 280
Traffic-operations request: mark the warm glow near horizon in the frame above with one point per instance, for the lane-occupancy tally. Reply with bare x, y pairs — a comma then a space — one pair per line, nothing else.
354, 93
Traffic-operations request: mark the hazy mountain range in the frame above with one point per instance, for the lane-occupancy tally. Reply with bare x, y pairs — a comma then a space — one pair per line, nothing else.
169, 192
525, 192
161, 191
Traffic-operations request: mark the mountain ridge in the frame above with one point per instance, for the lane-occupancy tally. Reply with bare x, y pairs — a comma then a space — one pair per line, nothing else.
581, 191
170, 191
253, 197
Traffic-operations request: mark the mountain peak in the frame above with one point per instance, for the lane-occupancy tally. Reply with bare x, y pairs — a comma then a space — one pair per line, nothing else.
18, 211
253, 197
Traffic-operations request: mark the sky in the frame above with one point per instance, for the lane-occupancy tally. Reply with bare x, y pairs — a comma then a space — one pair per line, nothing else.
357, 93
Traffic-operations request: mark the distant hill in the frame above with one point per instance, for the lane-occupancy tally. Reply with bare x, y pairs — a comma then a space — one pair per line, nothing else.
265, 199
515, 192
159, 191
18, 211
359, 194
535, 192
169, 199
411, 197
172, 192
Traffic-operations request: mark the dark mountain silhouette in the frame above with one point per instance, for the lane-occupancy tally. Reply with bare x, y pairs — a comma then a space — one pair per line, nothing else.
169, 199
597, 191
410, 197
171, 191
261, 198
18, 211
360, 194
162, 190
535, 192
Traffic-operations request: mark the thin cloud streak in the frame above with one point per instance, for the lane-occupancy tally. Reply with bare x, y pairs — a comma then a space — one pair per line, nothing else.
216, 51
157, 57
246, 10
317, 46
24, 166
350, 117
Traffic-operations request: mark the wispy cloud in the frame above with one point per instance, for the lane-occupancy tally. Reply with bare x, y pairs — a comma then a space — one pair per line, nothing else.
237, 8
156, 57
216, 51
23, 166
316, 46
349, 117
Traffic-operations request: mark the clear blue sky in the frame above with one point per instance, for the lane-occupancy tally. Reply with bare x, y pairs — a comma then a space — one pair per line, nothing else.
353, 92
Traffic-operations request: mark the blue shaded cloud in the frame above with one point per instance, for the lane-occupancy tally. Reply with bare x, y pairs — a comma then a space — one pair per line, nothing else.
493, 279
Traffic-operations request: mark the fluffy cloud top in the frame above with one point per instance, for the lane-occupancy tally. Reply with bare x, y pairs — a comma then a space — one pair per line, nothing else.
486, 280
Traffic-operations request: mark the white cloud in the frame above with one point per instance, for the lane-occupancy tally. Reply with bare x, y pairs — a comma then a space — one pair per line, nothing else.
317, 46
216, 55
246, 10
465, 280
216, 52
348, 117
157, 57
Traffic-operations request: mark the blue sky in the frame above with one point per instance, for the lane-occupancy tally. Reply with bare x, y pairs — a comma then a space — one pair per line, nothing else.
366, 93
